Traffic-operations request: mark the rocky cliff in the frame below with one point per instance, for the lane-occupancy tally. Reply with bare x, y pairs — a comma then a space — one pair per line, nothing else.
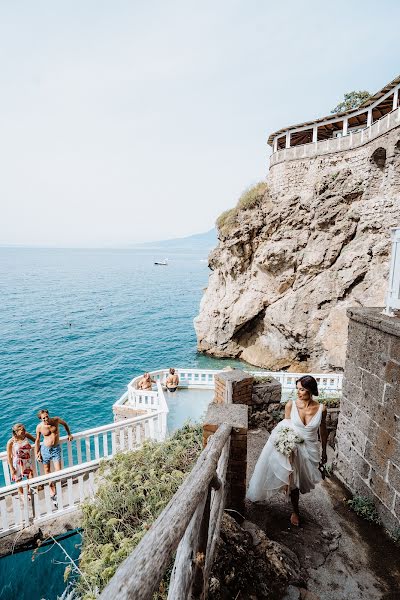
315, 241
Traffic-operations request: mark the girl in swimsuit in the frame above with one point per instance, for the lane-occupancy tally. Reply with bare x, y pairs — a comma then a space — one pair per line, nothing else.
19, 454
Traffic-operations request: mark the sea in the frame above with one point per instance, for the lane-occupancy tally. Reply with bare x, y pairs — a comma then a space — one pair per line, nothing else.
76, 325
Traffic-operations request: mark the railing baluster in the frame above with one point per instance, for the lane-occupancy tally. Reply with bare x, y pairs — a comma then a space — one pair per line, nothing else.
113, 443
69, 450
130, 437
4, 515
121, 439
151, 429
79, 451
70, 492
59, 495
138, 435
81, 488
47, 499
105, 444
25, 506
6, 471
87, 446
96, 447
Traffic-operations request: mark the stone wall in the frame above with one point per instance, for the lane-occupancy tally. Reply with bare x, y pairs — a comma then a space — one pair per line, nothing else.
233, 392
301, 174
368, 434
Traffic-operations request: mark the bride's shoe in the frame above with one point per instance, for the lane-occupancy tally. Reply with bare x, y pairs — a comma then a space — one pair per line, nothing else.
294, 519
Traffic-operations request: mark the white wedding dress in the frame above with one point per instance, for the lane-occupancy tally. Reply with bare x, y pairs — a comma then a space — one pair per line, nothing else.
274, 472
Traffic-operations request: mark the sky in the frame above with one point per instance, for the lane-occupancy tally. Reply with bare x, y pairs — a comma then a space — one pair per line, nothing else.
127, 121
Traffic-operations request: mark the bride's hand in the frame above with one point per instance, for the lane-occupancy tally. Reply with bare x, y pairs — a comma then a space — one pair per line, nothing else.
324, 458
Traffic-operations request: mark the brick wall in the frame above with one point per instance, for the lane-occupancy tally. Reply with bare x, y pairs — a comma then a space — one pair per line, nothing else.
233, 393
368, 434
233, 386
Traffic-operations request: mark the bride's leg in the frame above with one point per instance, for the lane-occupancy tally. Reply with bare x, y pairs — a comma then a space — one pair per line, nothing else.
294, 497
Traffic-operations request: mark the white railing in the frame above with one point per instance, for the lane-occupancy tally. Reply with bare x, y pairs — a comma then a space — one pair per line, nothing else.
204, 378
327, 382
76, 481
34, 504
347, 142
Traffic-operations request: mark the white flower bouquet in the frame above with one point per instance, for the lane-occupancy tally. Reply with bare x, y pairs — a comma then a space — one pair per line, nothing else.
286, 441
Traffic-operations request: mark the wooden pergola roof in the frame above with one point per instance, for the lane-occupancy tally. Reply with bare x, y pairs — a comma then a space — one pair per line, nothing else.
345, 113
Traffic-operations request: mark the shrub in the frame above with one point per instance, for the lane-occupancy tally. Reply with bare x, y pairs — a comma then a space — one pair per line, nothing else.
226, 219
365, 508
262, 379
135, 488
250, 198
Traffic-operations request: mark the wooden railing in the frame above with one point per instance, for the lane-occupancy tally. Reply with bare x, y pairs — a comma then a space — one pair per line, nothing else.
189, 525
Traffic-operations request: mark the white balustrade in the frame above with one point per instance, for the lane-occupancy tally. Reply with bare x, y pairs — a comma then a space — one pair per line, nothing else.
349, 141
91, 445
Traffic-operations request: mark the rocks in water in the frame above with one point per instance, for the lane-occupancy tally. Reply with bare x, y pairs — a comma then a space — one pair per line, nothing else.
250, 565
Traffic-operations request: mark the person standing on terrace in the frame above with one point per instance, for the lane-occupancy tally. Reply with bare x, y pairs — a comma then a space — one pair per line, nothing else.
290, 460
172, 381
50, 449
19, 454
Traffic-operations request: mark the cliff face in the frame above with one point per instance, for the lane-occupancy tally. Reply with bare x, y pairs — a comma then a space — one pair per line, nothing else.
285, 270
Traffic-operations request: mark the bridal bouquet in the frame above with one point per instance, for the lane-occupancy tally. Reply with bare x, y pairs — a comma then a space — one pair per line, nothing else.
286, 441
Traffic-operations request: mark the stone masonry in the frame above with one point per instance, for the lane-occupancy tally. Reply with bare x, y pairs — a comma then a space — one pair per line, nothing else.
368, 434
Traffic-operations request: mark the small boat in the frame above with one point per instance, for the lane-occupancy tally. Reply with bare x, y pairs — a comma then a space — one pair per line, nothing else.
163, 263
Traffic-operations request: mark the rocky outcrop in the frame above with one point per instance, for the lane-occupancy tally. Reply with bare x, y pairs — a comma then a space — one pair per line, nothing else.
286, 269
250, 565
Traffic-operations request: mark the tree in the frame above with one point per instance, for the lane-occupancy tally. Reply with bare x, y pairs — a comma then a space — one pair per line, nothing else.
352, 100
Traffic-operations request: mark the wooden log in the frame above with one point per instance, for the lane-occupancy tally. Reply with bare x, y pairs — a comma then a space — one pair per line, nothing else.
140, 574
217, 510
182, 576
200, 555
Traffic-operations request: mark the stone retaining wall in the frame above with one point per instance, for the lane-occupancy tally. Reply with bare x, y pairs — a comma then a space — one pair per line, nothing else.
368, 434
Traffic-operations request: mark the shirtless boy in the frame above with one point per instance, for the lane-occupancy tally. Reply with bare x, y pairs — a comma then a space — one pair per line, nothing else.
145, 382
50, 449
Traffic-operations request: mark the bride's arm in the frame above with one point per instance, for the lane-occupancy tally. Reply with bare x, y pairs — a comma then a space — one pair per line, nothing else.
288, 409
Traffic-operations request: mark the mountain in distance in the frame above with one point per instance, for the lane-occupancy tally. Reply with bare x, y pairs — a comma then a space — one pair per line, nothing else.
199, 241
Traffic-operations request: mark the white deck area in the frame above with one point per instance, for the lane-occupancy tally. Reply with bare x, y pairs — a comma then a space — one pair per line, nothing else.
81, 456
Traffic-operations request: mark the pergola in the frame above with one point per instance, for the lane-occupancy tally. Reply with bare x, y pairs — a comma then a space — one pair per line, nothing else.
339, 124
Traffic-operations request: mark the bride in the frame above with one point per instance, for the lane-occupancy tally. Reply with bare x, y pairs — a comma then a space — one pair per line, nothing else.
276, 472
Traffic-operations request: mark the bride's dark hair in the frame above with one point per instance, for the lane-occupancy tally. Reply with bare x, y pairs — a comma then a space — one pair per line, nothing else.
308, 382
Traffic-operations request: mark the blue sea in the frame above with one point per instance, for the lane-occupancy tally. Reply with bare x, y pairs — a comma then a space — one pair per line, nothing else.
75, 326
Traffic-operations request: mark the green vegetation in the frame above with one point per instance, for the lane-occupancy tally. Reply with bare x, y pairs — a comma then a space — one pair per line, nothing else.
250, 198
135, 488
394, 534
351, 100
365, 508
262, 379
